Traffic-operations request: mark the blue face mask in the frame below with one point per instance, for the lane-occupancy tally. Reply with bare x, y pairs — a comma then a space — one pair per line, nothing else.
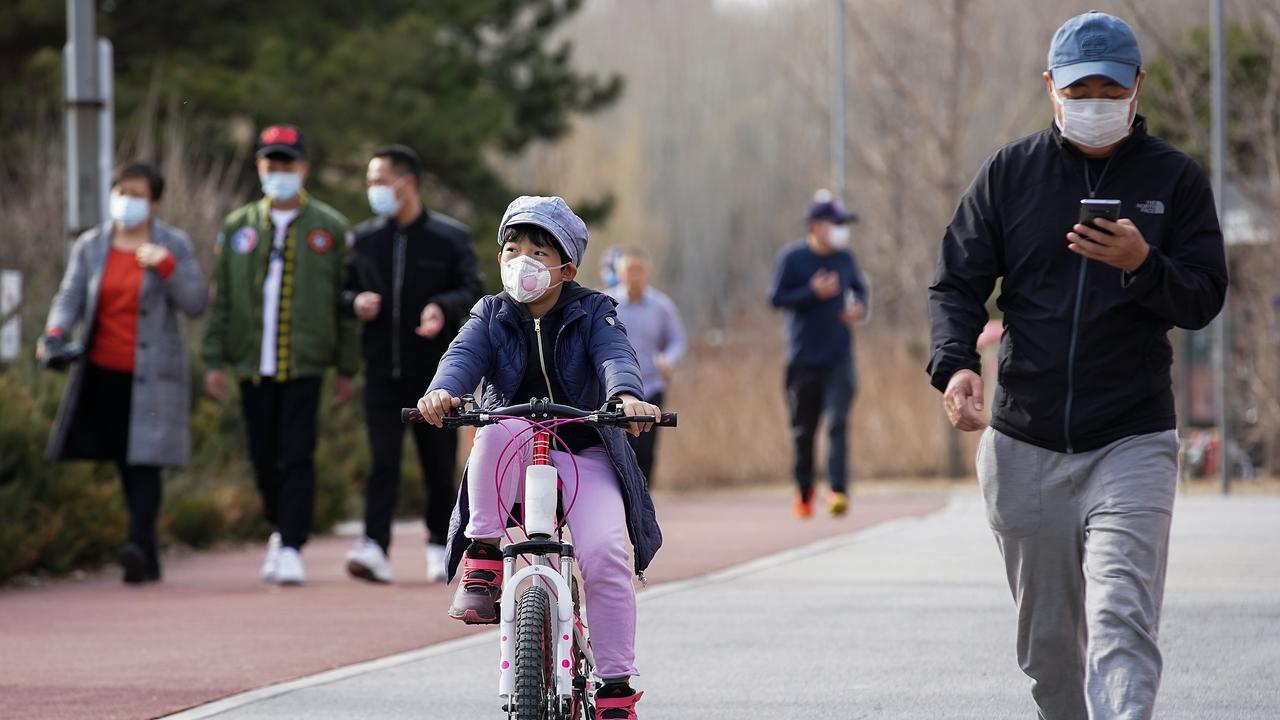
281, 185
129, 211
382, 200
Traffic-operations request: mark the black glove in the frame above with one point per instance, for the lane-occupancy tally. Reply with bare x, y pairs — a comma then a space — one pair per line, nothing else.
59, 354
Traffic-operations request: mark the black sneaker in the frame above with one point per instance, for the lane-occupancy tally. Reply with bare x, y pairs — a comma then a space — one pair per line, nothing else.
136, 564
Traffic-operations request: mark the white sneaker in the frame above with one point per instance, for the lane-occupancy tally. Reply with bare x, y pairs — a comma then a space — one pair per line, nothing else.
437, 563
268, 572
289, 567
366, 561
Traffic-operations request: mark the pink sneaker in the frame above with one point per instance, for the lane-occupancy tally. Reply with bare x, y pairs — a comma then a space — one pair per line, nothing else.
476, 600
617, 708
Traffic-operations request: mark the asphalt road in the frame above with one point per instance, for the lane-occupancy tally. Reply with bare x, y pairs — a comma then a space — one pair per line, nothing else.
906, 620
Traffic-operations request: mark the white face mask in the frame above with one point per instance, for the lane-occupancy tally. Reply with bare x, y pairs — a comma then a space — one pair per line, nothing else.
838, 237
129, 211
526, 279
281, 185
1096, 123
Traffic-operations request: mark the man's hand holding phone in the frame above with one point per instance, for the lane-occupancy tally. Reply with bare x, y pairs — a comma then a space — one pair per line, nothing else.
1103, 236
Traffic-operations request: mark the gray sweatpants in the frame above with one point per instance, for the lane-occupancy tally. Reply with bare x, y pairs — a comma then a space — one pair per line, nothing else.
1085, 540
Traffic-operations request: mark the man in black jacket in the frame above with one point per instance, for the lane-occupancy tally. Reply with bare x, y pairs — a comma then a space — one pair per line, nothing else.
1079, 466
411, 279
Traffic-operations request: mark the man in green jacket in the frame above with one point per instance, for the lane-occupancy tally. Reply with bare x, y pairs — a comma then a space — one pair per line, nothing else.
275, 327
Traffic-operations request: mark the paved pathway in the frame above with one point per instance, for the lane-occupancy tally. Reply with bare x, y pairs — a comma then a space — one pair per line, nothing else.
907, 620
96, 649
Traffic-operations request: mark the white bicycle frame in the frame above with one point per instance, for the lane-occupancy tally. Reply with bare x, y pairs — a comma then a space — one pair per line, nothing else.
541, 514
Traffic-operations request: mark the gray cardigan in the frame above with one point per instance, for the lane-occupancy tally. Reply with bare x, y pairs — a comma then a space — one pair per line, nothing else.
158, 421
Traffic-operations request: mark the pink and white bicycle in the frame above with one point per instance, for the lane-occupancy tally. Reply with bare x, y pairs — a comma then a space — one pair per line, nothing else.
546, 661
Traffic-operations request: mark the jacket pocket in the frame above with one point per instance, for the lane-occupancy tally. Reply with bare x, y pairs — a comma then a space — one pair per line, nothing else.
1009, 472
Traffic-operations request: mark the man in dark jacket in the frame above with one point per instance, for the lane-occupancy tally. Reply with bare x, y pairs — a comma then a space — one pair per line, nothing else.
1079, 466
817, 281
411, 279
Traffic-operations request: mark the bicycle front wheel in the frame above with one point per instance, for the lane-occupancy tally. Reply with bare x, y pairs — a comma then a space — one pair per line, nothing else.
535, 655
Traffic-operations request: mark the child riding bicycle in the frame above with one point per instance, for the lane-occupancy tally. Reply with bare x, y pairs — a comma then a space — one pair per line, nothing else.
546, 336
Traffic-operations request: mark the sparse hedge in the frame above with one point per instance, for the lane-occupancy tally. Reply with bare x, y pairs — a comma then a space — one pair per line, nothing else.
58, 517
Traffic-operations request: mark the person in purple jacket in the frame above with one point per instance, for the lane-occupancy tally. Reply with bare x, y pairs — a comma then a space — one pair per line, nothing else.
656, 332
547, 336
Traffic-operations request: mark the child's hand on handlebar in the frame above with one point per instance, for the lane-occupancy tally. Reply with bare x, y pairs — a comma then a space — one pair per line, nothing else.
435, 405
632, 405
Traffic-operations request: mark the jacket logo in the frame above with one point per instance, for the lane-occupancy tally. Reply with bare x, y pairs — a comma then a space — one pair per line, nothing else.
320, 241
1152, 207
245, 240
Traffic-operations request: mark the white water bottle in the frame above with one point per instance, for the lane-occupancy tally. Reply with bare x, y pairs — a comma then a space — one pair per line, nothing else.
540, 496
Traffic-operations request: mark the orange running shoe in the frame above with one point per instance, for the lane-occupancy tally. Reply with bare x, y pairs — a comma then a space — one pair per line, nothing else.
837, 504
804, 505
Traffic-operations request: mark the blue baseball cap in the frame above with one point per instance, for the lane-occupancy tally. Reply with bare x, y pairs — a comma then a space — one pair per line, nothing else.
553, 215
826, 207
1094, 43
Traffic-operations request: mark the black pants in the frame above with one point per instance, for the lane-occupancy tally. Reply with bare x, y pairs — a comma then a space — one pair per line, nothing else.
280, 418
647, 444
101, 431
813, 391
437, 454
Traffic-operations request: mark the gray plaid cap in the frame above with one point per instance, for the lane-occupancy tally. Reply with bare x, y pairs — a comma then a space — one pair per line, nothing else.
553, 215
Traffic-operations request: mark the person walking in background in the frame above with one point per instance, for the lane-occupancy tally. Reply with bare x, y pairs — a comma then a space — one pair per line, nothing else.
275, 327
411, 280
1079, 466
654, 328
817, 281
127, 400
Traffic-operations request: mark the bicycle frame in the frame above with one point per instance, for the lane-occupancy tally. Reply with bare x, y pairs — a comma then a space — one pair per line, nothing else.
541, 570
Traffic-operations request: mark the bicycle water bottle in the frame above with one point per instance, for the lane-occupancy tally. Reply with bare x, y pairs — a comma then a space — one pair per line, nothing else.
540, 496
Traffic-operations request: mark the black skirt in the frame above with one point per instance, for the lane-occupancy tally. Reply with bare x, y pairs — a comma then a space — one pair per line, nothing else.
100, 428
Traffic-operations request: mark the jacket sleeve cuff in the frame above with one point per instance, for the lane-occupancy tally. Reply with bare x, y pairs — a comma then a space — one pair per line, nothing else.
1141, 279
166, 267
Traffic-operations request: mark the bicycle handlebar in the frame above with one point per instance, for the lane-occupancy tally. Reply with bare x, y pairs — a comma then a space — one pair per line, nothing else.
544, 410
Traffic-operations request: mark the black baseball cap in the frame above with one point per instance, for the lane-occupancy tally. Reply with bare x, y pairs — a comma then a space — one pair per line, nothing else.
280, 140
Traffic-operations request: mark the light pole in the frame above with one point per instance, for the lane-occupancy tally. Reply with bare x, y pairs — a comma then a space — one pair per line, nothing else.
1222, 326
837, 101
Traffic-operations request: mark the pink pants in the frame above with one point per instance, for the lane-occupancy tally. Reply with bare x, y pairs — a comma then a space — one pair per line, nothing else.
597, 521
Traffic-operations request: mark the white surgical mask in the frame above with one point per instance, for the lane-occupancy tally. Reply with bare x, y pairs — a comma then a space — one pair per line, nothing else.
1096, 123
838, 237
382, 200
281, 185
525, 279
129, 211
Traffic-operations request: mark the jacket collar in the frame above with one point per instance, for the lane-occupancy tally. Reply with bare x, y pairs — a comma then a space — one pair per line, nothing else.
264, 206
513, 313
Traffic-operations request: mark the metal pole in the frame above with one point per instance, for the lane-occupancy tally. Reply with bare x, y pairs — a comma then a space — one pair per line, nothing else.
837, 101
83, 103
1222, 326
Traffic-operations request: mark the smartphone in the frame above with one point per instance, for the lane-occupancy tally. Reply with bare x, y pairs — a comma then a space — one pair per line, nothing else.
1092, 208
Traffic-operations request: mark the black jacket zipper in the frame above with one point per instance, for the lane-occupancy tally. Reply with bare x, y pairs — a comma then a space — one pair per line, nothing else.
1092, 189
397, 273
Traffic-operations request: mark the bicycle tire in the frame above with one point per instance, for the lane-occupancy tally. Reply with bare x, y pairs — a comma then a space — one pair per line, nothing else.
535, 655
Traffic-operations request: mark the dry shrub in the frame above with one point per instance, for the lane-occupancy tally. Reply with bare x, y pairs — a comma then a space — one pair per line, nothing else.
733, 425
